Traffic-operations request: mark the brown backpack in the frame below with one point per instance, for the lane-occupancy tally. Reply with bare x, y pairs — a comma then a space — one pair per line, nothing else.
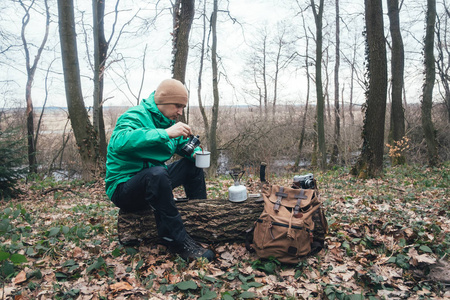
286, 228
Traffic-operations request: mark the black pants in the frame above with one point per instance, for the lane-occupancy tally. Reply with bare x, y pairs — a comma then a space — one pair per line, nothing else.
152, 188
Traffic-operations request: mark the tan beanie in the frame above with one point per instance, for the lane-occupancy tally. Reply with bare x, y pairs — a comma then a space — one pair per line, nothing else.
171, 91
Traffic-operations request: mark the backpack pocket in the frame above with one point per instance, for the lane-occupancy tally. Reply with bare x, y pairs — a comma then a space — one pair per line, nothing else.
278, 239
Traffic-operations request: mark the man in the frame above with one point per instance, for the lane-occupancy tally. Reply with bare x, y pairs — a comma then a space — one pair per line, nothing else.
137, 178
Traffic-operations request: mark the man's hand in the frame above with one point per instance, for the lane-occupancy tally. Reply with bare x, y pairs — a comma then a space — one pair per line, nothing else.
179, 129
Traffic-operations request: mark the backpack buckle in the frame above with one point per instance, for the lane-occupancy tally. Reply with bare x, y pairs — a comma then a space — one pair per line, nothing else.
280, 195
301, 195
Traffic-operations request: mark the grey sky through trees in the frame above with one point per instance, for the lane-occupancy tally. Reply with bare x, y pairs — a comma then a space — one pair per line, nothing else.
237, 41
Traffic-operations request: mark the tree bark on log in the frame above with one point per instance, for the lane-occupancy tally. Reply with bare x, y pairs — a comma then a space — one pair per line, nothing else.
206, 220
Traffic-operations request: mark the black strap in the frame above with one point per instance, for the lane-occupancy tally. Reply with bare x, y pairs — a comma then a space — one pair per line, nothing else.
249, 239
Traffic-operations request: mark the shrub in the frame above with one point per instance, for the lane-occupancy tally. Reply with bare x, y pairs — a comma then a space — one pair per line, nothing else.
12, 158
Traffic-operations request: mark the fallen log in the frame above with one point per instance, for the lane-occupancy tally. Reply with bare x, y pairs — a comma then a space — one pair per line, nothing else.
206, 220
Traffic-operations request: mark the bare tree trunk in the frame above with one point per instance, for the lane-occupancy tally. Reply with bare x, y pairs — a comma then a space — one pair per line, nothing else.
183, 15
184, 11
352, 82
397, 124
31, 71
200, 73
277, 71
215, 109
100, 52
264, 74
308, 89
337, 121
84, 132
442, 31
344, 151
326, 93
370, 162
427, 98
318, 13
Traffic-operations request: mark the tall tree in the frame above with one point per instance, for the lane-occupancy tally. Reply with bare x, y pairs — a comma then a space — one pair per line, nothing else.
200, 77
308, 88
282, 59
443, 50
318, 15
100, 52
31, 71
427, 97
85, 134
183, 15
215, 85
370, 161
337, 119
258, 67
397, 124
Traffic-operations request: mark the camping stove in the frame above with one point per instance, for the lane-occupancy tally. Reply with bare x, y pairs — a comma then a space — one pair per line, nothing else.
237, 192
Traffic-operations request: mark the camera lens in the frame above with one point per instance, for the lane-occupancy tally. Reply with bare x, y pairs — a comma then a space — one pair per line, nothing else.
309, 183
190, 146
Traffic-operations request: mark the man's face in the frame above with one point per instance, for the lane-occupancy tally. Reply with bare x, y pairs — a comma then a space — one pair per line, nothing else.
171, 111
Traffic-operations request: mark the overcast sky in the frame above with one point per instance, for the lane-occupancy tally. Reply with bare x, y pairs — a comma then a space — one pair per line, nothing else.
236, 41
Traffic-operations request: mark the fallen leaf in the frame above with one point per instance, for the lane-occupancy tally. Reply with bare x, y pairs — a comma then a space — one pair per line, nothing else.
77, 252
20, 278
120, 286
425, 259
227, 256
347, 276
288, 272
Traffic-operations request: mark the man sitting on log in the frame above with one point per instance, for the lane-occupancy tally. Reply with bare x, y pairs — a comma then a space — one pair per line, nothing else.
137, 178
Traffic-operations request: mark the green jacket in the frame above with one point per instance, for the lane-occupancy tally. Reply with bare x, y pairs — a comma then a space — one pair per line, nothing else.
139, 140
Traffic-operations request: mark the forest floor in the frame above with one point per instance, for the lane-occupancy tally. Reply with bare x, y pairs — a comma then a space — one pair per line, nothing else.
389, 239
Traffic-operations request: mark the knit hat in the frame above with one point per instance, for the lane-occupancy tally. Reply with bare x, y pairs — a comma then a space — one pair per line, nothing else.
171, 91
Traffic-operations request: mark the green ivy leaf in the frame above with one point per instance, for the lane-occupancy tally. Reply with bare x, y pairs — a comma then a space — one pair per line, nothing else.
18, 258
53, 231
186, 285
69, 262
354, 297
392, 260
65, 229
228, 296
4, 255
208, 295
72, 268
97, 265
116, 252
425, 249
254, 284
6, 269
139, 264
247, 295
131, 251
60, 275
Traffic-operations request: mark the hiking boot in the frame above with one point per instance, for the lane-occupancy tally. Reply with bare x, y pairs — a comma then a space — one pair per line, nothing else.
190, 249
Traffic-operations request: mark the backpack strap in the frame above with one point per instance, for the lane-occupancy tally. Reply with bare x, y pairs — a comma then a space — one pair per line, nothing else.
301, 195
280, 195
249, 239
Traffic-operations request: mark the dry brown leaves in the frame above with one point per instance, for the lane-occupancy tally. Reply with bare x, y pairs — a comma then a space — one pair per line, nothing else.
376, 248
